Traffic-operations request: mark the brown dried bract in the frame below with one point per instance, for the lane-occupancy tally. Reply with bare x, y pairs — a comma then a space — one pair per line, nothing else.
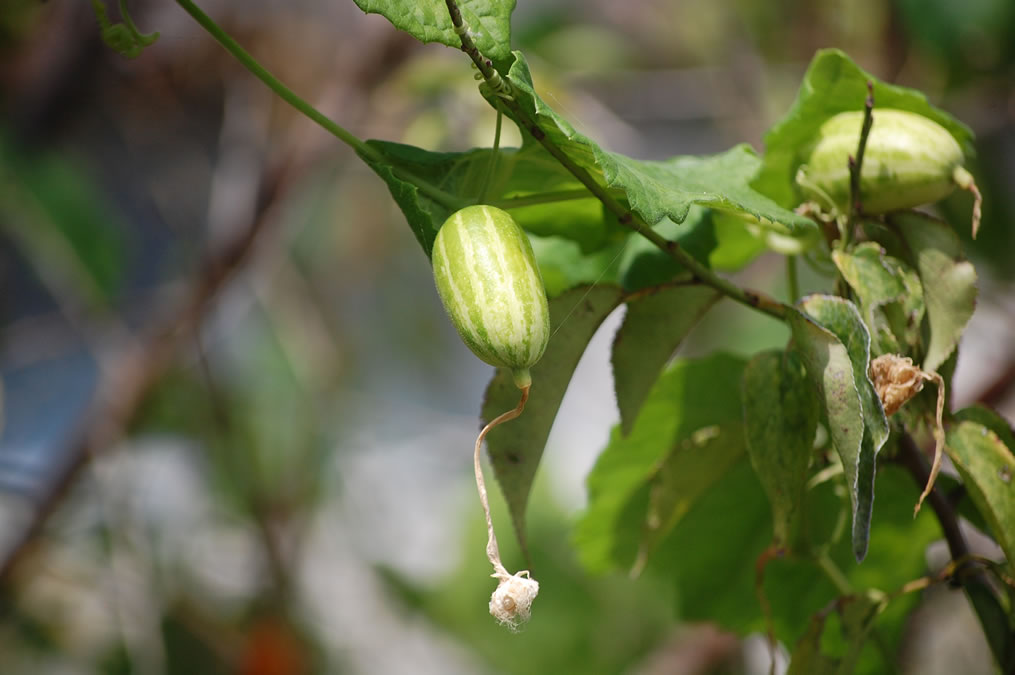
896, 380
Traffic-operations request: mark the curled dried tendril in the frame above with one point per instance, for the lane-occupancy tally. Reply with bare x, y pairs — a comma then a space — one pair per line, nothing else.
896, 380
511, 602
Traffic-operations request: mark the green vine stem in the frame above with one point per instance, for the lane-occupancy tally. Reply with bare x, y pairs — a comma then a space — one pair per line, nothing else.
627, 218
329, 125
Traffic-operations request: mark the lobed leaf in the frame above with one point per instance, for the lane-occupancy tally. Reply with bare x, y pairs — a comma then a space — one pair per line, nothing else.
949, 282
666, 189
654, 326
516, 448
835, 347
488, 21
832, 84
780, 420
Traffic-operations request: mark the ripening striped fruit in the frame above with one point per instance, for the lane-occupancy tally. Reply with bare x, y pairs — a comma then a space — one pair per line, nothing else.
490, 285
909, 160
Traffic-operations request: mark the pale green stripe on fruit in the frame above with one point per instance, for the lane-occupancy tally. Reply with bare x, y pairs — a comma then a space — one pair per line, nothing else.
488, 281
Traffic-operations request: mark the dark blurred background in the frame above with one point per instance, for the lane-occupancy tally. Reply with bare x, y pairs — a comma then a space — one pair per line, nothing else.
219, 305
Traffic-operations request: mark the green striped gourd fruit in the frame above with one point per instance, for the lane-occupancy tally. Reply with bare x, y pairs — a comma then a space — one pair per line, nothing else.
909, 160
490, 285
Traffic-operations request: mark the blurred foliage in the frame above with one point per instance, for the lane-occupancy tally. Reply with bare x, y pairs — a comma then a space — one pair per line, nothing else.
101, 183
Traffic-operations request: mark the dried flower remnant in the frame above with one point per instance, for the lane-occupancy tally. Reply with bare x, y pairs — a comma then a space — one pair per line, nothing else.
896, 380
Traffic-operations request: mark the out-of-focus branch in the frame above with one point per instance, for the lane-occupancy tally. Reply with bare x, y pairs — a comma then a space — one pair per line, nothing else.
123, 387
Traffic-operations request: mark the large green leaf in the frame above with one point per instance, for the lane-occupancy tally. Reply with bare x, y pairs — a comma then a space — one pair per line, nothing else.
987, 467
835, 347
949, 282
693, 397
665, 189
780, 418
515, 448
654, 326
488, 21
834, 84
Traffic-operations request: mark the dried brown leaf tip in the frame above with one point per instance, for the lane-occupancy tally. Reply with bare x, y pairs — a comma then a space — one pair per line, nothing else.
896, 380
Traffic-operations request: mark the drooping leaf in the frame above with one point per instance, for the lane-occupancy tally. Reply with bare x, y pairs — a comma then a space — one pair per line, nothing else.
655, 324
987, 467
780, 418
691, 396
488, 21
666, 189
949, 282
857, 614
835, 347
834, 84
516, 448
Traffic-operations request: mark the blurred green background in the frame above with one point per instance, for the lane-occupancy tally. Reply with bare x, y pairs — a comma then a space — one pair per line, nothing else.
291, 491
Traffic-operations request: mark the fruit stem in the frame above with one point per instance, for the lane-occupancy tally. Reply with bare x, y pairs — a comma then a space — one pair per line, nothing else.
522, 378
492, 550
362, 148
